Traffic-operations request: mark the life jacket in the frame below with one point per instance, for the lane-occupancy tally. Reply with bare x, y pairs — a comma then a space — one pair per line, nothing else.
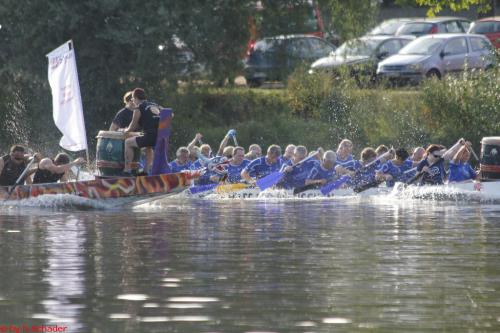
11, 171
45, 176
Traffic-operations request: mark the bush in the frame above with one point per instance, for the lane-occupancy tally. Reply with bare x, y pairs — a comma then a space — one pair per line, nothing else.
466, 106
366, 116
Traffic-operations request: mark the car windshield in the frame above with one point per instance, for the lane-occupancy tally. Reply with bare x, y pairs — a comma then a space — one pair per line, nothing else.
416, 29
386, 28
485, 27
423, 46
267, 45
357, 47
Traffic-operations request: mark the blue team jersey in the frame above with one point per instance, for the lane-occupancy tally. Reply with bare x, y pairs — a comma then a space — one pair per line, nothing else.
234, 171
396, 171
299, 174
176, 167
259, 168
460, 172
285, 161
436, 174
348, 162
198, 164
363, 175
318, 172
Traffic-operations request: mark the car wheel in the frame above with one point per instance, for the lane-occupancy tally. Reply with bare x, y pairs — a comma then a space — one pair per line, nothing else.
433, 73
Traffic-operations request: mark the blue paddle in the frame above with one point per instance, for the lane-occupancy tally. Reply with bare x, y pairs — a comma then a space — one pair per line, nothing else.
327, 188
202, 188
274, 178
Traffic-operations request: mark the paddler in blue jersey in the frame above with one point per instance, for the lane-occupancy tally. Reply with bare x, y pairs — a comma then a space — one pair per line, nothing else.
365, 168
323, 171
182, 161
234, 168
296, 174
263, 166
396, 170
460, 169
431, 168
344, 155
288, 154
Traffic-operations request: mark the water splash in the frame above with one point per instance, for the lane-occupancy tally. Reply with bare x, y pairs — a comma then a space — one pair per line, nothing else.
61, 201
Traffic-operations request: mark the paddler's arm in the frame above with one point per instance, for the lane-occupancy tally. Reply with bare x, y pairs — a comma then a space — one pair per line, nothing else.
448, 155
223, 145
246, 176
135, 121
193, 143
47, 164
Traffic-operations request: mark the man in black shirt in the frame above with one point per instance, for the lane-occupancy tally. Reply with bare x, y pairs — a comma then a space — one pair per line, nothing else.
13, 165
146, 118
51, 171
124, 116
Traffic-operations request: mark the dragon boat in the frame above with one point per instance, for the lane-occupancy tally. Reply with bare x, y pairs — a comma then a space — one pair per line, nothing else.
108, 184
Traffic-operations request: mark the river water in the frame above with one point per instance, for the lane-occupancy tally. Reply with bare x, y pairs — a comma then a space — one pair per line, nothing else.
355, 264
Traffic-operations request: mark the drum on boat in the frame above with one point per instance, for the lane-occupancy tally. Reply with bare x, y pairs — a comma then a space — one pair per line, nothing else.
110, 153
490, 158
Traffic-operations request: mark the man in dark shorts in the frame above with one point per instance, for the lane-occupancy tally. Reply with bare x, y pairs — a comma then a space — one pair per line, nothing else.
124, 116
146, 118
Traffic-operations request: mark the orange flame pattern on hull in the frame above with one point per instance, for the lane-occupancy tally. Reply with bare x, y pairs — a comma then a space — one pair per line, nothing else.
107, 188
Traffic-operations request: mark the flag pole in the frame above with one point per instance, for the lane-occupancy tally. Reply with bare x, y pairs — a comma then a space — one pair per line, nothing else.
70, 47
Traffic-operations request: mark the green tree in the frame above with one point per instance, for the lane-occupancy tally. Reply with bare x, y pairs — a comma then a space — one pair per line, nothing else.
435, 6
117, 47
350, 18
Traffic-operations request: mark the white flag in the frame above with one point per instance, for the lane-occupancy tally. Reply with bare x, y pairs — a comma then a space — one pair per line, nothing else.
66, 98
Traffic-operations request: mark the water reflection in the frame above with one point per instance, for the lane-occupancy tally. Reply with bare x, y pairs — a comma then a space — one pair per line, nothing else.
344, 265
64, 240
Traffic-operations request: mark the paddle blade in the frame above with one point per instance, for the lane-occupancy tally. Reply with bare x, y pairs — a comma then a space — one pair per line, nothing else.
227, 188
202, 188
270, 180
299, 190
367, 186
326, 189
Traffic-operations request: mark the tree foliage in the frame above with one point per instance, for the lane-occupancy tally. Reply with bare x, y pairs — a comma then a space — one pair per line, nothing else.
435, 6
117, 48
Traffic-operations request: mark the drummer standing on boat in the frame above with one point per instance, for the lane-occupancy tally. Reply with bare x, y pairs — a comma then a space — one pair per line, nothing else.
123, 118
146, 117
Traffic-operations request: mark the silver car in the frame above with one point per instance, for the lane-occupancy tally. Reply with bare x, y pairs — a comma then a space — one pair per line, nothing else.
436, 56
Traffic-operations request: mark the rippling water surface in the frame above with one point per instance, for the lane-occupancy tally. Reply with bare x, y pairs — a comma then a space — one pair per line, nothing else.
376, 264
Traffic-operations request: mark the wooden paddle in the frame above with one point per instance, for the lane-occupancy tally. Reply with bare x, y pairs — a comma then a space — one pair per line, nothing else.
228, 188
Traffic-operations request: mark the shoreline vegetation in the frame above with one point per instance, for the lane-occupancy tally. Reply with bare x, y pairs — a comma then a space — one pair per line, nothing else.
314, 110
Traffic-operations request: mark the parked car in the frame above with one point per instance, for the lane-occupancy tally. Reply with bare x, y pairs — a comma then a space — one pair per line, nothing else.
488, 26
436, 56
434, 25
273, 58
361, 55
390, 27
